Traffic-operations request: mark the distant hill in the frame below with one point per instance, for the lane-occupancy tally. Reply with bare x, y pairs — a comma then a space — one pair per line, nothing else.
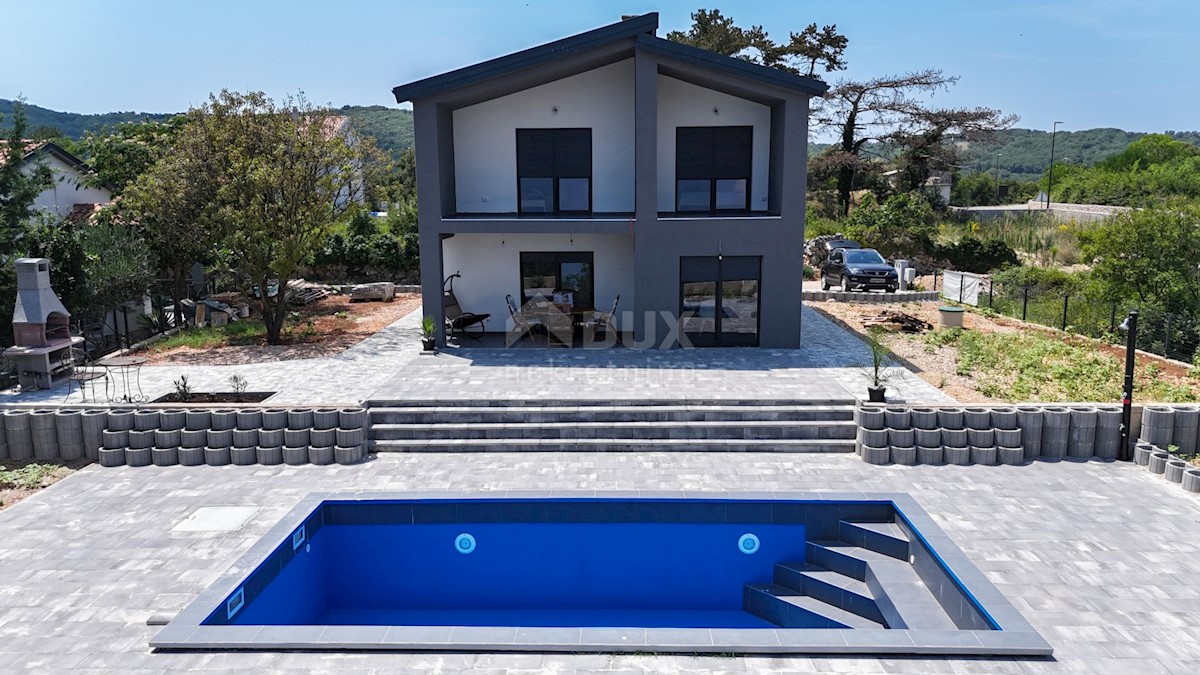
1024, 154
391, 128
1021, 154
75, 125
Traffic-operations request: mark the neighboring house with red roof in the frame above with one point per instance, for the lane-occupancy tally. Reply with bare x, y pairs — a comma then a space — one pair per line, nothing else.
69, 196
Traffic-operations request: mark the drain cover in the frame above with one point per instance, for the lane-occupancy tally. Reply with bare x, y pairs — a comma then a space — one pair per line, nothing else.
216, 519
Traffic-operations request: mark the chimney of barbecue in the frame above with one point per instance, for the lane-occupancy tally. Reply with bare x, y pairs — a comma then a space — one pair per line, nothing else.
39, 317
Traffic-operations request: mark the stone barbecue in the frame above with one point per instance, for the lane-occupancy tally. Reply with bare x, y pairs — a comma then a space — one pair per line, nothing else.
42, 339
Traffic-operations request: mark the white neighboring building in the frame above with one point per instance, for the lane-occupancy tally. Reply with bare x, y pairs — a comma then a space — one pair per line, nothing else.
69, 194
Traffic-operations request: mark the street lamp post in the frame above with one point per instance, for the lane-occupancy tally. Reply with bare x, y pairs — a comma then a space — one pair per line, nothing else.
1130, 328
1050, 180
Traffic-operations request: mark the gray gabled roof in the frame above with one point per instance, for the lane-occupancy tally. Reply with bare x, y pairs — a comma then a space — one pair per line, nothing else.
639, 29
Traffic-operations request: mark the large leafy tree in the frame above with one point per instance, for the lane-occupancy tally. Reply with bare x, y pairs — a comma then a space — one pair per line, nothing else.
283, 176
1151, 254
120, 155
169, 202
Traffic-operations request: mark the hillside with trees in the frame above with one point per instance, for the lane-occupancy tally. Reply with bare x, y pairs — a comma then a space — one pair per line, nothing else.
392, 128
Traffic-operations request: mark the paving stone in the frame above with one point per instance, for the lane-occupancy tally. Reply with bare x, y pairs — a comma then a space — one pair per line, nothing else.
1101, 557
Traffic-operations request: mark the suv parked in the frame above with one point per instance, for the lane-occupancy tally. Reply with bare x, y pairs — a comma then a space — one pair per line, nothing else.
858, 268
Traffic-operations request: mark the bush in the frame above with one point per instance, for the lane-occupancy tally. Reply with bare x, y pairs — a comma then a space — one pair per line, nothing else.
979, 256
900, 227
810, 274
1038, 280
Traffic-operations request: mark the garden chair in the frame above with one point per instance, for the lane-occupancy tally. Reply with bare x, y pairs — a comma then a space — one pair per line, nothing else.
82, 371
522, 323
603, 322
467, 323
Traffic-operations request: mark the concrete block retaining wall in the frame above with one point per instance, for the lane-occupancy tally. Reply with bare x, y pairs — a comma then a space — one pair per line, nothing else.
188, 436
1163, 427
866, 296
987, 435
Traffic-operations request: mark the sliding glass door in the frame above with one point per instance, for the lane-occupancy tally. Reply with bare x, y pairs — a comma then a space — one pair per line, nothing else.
545, 273
719, 300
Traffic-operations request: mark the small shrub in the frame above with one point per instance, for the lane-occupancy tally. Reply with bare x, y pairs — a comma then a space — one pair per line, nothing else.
183, 389
810, 274
238, 384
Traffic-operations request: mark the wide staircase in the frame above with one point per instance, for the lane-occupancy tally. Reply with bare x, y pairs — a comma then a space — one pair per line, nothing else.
611, 426
863, 579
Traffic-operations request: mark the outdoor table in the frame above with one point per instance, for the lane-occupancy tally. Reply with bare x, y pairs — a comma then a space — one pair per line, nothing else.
129, 370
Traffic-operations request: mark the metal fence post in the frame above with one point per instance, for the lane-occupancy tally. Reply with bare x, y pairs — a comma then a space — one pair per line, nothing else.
991, 297
1025, 304
1066, 299
1167, 337
962, 280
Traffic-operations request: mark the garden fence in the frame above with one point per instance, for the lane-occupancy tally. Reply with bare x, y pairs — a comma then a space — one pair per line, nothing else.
1174, 335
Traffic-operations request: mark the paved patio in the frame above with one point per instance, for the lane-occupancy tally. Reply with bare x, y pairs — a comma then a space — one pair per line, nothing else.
1104, 559
344, 379
828, 366
389, 365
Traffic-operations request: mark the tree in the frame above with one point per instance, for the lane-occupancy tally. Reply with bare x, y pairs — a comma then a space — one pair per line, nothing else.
923, 134
1150, 254
801, 55
824, 47
123, 154
284, 176
170, 204
860, 112
19, 185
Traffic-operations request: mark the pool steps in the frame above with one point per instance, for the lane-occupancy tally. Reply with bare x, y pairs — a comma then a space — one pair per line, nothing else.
861, 580
725, 426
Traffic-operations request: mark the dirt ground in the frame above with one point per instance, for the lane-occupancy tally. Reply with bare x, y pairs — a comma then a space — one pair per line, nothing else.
337, 324
938, 367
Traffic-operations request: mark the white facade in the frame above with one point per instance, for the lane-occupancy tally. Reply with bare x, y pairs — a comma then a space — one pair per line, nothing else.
68, 188
681, 104
491, 268
485, 138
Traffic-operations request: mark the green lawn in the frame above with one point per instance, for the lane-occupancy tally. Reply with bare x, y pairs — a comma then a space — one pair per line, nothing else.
246, 332
1032, 366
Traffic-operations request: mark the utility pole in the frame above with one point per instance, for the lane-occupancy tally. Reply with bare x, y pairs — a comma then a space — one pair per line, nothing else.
1050, 180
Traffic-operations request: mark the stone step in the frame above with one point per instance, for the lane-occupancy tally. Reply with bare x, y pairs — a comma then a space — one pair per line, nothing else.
787, 608
830, 587
885, 538
605, 413
437, 402
902, 597
727, 430
612, 445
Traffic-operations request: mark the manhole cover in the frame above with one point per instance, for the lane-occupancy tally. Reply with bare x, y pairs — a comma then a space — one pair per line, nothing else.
216, 519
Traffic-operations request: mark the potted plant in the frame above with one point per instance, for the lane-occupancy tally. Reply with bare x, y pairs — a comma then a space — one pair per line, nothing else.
879, 361
428, 341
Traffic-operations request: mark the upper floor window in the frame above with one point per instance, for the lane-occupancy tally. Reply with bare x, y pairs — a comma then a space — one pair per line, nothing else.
712, 168
554, 170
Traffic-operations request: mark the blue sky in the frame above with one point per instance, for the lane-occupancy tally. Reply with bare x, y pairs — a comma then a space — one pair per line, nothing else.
1130, 64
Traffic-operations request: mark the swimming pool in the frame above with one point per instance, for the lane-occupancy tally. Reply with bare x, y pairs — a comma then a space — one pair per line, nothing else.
723, 572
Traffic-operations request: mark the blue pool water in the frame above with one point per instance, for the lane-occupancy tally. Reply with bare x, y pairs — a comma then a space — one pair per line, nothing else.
527, 574
789, 573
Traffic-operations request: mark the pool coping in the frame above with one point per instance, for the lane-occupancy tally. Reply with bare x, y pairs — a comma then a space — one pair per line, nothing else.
1015, 636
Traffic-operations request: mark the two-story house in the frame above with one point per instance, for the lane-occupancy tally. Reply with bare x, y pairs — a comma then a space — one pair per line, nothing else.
617, 163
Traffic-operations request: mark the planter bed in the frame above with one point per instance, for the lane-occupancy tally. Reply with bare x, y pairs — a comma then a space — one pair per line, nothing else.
218, 397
